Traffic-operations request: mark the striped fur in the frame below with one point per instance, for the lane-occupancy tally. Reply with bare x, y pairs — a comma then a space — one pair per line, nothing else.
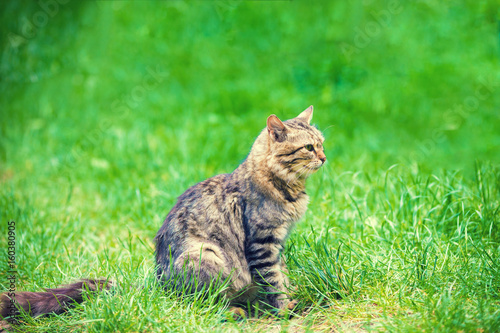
235, 225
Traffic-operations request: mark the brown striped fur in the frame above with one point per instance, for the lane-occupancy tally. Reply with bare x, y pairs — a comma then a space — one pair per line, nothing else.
231, 226
235, 225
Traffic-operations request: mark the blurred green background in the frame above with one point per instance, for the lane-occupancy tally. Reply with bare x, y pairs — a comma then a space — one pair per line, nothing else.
413, 82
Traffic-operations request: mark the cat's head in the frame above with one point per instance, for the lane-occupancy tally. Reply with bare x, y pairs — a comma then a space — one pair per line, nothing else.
294, 147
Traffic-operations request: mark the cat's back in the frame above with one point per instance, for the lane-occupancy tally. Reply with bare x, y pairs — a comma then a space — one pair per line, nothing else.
208, 210
207, 194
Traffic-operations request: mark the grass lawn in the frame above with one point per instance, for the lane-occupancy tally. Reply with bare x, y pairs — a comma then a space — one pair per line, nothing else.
109, 110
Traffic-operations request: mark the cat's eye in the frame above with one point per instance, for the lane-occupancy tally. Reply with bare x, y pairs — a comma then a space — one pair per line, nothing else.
309, 147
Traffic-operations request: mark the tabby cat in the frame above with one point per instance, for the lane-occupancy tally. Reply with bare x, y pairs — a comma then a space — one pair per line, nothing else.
231, 226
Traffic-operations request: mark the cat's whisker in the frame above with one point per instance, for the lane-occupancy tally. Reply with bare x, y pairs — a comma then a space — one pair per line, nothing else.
328, 127
298, 173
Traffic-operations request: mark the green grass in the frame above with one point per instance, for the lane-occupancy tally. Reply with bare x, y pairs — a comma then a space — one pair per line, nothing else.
402, 232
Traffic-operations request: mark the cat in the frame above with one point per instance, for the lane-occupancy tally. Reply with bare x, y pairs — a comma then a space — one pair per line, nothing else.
231, 227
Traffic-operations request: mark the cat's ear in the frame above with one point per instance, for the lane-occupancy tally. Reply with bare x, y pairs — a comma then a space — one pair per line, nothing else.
275, 128
306, 115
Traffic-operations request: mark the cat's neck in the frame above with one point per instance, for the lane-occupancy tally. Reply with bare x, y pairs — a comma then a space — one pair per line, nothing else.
257, 172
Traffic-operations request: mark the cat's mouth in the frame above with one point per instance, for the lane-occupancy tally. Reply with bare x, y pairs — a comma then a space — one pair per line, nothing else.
314, 167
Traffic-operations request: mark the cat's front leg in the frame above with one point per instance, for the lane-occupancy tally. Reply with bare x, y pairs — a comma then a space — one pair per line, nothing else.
291, 304
269, 272
274, 283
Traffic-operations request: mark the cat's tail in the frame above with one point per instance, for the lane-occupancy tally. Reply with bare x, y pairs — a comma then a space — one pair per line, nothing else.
55, 300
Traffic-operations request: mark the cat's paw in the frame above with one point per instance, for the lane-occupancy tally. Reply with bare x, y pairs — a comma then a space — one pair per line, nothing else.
288, 311
235, 314
292, 305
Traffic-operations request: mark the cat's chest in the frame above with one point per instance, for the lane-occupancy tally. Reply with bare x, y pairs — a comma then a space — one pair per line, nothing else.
297, 208
279, 212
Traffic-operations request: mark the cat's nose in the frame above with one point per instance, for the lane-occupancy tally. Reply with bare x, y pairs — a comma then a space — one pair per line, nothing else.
322, 157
